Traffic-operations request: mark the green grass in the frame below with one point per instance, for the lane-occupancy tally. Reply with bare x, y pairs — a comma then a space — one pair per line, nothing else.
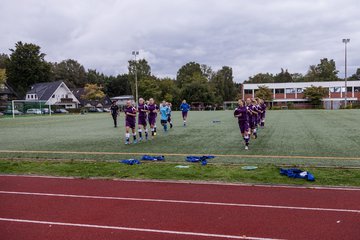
268, 174
291, 138
316, 133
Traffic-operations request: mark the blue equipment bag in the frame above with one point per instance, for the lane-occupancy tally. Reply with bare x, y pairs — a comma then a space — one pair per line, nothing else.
130, 161
297, 173
202, 159
152, 158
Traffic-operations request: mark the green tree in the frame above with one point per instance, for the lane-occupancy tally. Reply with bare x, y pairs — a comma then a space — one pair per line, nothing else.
143, 70
2, 76
169, 90
95, 77
356, 75
315, 94
117, 86
283, 76
186, 74
264, 93
149, 88
297, 77
324, 71
69, 71
207, 71
198, 90
223, 84
93, 92
261, 78
26, 66
3, 58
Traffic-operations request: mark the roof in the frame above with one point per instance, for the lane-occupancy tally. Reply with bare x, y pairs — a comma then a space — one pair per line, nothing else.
124, 97
79, 92
8, 90
44, 90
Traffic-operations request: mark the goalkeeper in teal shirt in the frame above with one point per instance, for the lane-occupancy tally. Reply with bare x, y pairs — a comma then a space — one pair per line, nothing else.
164, 112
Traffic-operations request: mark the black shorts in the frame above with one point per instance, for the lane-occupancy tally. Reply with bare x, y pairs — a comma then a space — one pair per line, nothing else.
163, 121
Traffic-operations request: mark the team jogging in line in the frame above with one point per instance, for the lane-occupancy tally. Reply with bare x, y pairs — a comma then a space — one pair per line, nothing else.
250, 114
146, 114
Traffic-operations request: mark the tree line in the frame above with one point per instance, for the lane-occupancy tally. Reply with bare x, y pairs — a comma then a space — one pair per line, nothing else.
26, 65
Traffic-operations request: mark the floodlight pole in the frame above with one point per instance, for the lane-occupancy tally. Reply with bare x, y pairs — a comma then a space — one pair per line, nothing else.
135, 53
346, 41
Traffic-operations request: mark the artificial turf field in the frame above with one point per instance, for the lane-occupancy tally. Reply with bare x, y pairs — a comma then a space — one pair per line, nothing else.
291, 137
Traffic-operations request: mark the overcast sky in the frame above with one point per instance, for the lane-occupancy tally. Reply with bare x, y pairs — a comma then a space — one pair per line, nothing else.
249, 36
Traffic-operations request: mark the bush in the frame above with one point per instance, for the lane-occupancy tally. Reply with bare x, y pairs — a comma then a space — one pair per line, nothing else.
74, 110
290, 105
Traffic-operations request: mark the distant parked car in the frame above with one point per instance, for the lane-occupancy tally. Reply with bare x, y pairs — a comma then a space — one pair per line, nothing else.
10, 112
95, 110
46, 111
106, 110
1, 113
33, 111
61, 111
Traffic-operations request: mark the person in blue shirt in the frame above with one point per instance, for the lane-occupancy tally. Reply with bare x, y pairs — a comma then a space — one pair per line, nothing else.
184, 107
164, 112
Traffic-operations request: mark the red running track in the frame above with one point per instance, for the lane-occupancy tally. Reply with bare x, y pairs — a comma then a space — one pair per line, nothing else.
64, 208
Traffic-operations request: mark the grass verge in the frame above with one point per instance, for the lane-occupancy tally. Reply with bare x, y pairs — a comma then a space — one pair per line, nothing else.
266, 173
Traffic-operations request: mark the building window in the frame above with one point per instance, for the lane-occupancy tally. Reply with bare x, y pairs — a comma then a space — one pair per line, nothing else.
356, 89
299, 90
335, 89
290, 90
248, 91
53, 96
279, 90
32, 96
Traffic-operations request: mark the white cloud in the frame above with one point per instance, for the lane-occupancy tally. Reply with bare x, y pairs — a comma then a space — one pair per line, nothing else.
249, 36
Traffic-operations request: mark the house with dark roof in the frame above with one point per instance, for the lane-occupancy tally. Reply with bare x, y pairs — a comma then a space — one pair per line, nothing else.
6, 94
54, 93
105, 102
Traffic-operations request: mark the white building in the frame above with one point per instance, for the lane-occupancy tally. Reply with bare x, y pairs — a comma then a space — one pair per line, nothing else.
284, 93
54, 93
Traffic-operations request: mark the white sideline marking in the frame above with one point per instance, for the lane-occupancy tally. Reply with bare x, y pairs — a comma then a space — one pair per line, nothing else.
135, 229
191, 182
182, 202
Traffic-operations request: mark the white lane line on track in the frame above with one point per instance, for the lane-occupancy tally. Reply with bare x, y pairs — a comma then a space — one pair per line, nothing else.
182, 202
192, 182
135, 229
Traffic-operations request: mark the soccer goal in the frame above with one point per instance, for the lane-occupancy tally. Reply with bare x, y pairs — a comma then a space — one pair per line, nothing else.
37, 107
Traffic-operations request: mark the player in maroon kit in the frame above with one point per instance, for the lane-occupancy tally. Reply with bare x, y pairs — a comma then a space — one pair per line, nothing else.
130, 121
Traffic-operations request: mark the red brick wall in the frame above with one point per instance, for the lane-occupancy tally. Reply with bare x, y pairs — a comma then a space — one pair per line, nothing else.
279, 96
290, 95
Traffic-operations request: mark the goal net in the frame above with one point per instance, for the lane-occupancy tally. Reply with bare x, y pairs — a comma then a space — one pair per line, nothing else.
28, 107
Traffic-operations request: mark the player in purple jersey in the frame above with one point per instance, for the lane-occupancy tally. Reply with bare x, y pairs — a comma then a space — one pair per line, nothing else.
255, 117
263, 108
252, 114
130, 121
259, 111
153, 110
142, 109
241, 112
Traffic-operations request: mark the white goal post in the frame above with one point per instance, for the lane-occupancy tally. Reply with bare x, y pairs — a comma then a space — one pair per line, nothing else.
40, 102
